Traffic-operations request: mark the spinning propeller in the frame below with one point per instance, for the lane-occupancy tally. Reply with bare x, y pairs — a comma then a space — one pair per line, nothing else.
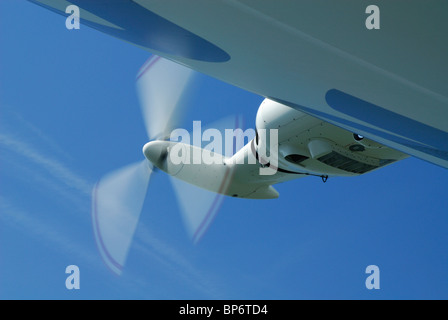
118, 197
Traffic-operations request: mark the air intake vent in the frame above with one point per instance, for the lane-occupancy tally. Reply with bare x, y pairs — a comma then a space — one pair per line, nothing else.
295, 158
339, 161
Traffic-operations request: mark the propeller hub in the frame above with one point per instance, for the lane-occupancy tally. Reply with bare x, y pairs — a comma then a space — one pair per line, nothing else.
156, 152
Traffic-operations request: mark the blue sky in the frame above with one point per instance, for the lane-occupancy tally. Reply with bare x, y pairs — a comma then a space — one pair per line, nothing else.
69, 114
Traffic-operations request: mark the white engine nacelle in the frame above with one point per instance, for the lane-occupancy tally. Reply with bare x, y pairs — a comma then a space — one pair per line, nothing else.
290, 143
310, 145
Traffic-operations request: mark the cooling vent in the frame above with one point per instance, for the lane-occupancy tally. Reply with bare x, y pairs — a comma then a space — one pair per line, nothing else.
296, 158
339, 161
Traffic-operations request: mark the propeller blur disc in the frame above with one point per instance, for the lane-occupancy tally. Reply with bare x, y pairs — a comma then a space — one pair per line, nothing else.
199, 206
160, 85
117, 202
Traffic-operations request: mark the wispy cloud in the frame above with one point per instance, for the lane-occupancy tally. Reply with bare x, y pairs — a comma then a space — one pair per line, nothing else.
24, 162
11, 121
29, 223
25, 154
177, 264
53, 167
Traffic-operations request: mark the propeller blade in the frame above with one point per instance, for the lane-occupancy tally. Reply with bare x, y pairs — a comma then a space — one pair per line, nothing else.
160, 85
199, 206
117, 203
